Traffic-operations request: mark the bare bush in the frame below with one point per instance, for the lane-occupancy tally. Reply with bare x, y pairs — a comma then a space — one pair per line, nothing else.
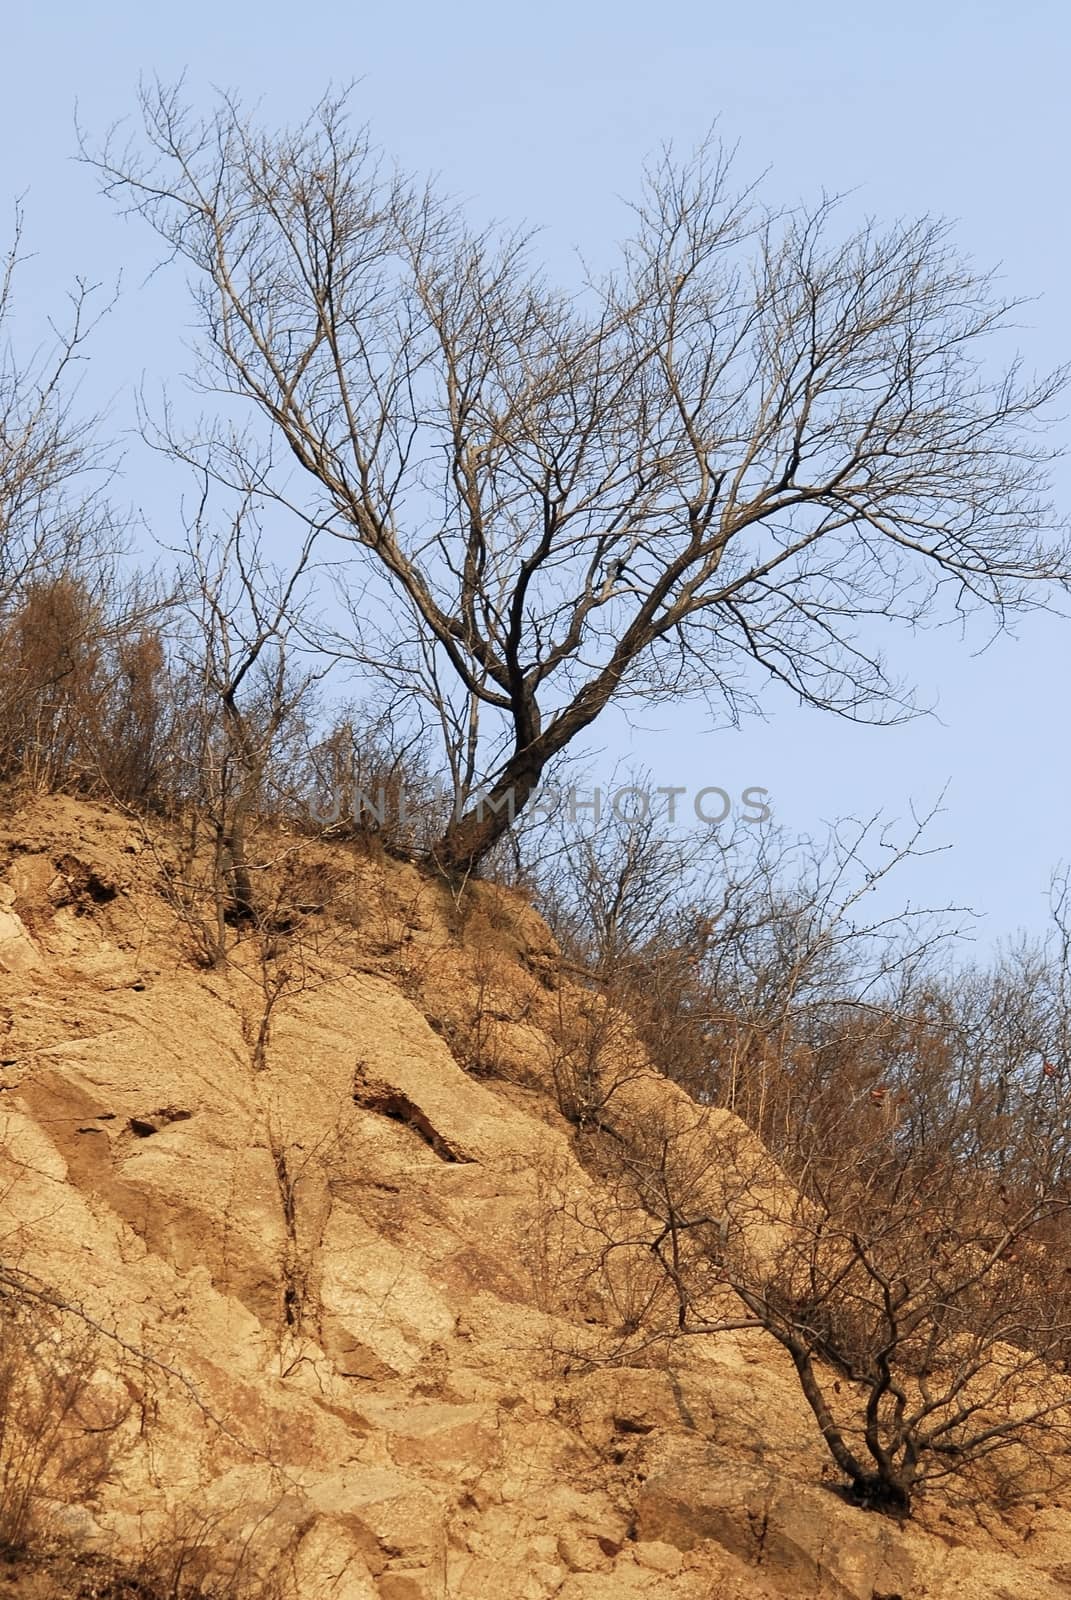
79, 702
57, 1436
54, 517
241, 710
925, 1315
366, 778
753, 971
906, 1246
935, 1299
229, 1554
594, 1051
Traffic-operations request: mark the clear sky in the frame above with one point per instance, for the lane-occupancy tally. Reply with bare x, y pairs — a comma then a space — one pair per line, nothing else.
545, 113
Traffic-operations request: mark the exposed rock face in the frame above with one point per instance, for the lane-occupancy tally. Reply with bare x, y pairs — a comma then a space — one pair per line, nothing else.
331, 1302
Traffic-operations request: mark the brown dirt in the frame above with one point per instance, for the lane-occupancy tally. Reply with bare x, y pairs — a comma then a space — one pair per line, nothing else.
338, 1289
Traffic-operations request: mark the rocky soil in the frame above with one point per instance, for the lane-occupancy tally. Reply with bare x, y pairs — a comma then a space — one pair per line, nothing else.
318, 1220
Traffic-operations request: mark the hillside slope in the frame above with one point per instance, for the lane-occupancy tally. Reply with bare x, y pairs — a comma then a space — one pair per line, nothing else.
332, 1264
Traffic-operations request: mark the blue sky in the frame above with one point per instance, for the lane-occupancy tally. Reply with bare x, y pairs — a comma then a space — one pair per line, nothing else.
546, 114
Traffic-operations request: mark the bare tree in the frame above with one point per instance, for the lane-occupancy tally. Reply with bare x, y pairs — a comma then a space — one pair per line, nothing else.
54, 518
240, 698
901, 1225
756, 439
919, 1294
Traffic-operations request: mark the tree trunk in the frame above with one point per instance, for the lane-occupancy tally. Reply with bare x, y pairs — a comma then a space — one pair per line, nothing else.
469, 837
243, 904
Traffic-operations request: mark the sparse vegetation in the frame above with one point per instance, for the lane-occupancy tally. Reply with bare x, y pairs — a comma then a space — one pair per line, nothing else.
906, 1248
58, 1423
800, 1117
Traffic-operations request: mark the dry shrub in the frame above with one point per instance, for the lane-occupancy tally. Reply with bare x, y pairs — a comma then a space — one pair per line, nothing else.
365, 780
588, 1249
196, 1555
549, 1245
475, 1037
908, 1255
139, 722
594, 1051
231, 1554
83, 705
920, 1303
57, 1434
